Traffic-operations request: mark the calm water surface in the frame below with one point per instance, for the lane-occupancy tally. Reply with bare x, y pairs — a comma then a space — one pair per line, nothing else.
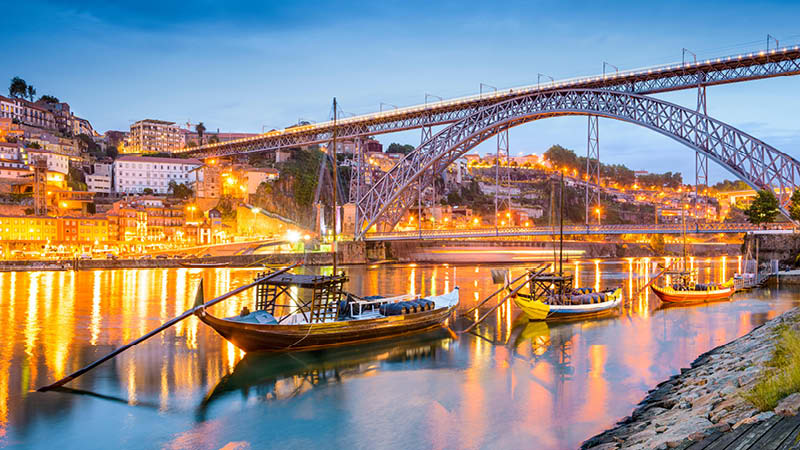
514, 384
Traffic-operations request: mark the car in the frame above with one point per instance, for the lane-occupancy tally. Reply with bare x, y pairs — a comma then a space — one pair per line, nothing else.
111, 256
162, 256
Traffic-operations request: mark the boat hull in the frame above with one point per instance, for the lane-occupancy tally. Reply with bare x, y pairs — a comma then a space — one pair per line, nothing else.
538, 310
671, 296
252, 337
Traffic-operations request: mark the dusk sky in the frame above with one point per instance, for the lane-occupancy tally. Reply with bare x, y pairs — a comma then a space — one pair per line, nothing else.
244, 66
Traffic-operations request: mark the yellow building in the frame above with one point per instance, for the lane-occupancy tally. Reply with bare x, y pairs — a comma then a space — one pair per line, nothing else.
28, 228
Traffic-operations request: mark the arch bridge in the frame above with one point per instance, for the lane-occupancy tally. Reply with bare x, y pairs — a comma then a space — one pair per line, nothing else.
758, 164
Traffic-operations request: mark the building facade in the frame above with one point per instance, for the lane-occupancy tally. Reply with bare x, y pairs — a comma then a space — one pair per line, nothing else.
100, 180
134, 174
149, 136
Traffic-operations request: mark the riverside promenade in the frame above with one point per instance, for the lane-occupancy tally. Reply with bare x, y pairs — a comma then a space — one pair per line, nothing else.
703, 407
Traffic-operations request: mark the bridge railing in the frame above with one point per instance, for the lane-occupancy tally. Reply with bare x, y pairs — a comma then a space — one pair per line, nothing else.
705, 228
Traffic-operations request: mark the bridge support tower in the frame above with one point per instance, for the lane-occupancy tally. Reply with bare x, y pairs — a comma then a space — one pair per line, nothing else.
701, 159
502, 179
593, 170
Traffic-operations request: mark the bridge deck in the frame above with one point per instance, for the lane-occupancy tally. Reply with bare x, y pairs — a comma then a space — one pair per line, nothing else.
579, 230
743, 67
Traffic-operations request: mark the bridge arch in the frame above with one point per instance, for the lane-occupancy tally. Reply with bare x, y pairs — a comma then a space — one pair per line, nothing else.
759, 165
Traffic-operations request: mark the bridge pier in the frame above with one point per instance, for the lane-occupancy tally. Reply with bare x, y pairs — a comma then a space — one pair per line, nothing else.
701, 159
593, 169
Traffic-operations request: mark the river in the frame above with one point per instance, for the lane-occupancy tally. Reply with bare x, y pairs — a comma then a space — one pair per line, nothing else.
513, 384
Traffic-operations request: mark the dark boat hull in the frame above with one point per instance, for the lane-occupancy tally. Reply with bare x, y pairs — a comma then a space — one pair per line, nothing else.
203, 265
276, 338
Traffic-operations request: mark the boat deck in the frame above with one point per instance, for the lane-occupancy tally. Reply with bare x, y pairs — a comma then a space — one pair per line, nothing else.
776, 433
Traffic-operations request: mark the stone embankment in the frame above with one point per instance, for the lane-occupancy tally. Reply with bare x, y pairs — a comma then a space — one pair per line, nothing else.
704, 398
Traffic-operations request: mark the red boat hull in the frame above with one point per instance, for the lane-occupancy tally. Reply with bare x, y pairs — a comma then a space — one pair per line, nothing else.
668, 295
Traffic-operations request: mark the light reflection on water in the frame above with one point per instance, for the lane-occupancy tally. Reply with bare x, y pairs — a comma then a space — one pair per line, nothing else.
513, 383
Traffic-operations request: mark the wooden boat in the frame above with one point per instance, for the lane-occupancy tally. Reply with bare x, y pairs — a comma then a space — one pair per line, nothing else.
203, 265
710, 293
570, 307
325, 317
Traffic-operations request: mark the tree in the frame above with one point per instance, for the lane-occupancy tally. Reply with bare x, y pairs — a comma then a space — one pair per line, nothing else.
213, 139
75, 179
200, 129
31, 92
112, 152
764, 208
394, 147
180, 190
147, 191
49, 99
794, 210
18, 88
562, 157
34, 145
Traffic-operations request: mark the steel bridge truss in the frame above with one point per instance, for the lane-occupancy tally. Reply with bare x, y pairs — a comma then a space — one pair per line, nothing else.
753, 161
752, 66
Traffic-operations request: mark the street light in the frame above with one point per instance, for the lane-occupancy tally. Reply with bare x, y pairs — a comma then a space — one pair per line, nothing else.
597, 211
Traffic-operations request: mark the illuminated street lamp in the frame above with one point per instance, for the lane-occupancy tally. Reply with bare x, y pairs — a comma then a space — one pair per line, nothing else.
597, 211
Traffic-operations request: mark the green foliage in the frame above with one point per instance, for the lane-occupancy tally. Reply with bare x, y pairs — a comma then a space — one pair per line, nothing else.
666, 179
303, 169
18, 88
112, 152
226, 207
49, 99
736, 215
781, 376
76, 180
147, 191
764, 208
89, 144
566, 158
180, 190
727, 186
399, 148
794, 210
213, 139
191, 144
562, 157
470, 195
34, 145
31, 92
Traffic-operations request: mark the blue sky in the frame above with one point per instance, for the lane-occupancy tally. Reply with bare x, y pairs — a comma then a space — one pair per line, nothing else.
241, 66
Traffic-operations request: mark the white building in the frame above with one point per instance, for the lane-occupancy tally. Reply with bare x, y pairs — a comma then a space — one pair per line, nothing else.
134, 174
56, 162
100, 180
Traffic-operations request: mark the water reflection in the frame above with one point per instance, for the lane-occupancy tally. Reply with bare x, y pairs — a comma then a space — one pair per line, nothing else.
556, 383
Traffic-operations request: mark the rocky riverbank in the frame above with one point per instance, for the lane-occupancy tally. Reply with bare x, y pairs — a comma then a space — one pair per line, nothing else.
704, 398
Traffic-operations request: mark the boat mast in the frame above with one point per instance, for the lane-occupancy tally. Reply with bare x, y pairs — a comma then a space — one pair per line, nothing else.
685, 266
332, 153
